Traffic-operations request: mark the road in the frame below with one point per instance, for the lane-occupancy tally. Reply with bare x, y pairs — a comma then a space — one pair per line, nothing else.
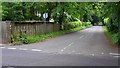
88, 47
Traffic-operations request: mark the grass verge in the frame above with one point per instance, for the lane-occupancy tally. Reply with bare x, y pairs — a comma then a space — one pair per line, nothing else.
33, 39
24, 39
112, 36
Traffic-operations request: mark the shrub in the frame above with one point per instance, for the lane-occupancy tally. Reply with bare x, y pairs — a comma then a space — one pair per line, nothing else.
19, 37
22, 38
86, 24
71, 25
113, 36
15, 38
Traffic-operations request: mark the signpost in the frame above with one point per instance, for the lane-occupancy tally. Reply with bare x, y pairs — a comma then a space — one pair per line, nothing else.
45, 15
38, 14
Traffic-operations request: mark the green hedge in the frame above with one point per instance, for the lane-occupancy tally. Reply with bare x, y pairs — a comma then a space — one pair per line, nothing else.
71, 25
113, 36
86, 24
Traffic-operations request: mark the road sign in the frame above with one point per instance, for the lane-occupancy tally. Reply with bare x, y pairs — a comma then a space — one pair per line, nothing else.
45, 15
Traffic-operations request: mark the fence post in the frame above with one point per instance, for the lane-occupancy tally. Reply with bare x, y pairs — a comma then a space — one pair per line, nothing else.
9, 27
5, 32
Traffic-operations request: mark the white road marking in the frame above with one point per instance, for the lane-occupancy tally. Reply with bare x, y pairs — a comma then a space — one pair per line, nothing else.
10, 67
12, 48
66, 47
92, 54
22, 49
102, 53
114, 54
2, 44
81, 36
62, 50
2, 47
36, 50
70, 44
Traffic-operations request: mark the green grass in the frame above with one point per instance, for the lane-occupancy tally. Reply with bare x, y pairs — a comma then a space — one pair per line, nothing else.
33, 39
112, 36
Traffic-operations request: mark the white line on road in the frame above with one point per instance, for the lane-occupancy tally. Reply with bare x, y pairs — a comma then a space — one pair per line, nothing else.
36, 50
2, 47
66, 47
102, 53
12, 48
114, 54
62, 50
22, 49
2, 44
92, 54
70, 44
10, 67
81, 36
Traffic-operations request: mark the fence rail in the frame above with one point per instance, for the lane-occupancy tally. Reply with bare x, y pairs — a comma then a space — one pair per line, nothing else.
30, 28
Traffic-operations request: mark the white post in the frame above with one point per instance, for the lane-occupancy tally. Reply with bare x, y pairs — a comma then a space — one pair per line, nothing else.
45, 30
45, 15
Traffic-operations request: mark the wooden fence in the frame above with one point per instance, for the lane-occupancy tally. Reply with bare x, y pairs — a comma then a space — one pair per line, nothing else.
30, 28
5, 32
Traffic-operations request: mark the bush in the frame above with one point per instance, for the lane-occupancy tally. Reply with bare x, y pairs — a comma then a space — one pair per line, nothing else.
113, 36
15, 38
22, 38
71, 25
86, 24
19, 38
106, 20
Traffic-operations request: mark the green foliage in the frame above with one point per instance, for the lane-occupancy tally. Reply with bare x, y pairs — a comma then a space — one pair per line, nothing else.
21, 38
86, 24
111, 18
115, 38
33, 39
64, 13
71, 25
26, 10
112, 12
106, 20
15, 38
112, 36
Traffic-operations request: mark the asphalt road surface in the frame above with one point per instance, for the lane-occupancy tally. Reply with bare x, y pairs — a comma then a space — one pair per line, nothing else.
88, 47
